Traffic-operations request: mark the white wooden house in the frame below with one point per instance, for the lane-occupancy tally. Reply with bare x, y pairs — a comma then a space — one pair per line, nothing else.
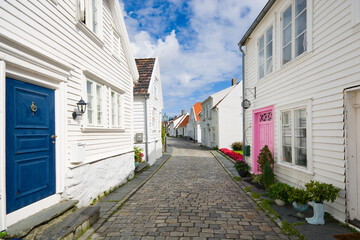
182, 128
194, 130
148, 106
52, 54
303, 58
221, 117
173, 124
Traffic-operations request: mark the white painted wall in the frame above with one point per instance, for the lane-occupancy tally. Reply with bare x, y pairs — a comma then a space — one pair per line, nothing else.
318, 76
42, 43
155, 106
194, 130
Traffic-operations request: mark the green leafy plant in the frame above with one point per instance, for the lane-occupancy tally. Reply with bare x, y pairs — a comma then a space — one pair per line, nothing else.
322, 192
241, 165
300, 196
265, 156
237, 146
163, 133
138, 154
3, 234
258, 179
268, 176
280, 191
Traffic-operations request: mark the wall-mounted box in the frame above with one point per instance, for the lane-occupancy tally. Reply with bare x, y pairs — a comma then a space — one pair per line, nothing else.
77, 153
247, 150
139, 137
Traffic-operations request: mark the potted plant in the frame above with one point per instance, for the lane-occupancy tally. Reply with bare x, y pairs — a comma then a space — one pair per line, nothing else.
280, 193
138, 156
320, 193
242, 167
299, 199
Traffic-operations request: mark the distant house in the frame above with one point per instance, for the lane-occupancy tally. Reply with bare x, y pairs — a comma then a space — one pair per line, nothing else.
53, 56
182, 128
221, 117
148, 106
173, 124
303, 58
194, 129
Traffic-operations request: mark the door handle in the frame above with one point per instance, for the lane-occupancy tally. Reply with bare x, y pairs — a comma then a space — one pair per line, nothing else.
53, 138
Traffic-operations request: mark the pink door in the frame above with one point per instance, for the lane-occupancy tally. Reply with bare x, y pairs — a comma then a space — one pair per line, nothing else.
263, 132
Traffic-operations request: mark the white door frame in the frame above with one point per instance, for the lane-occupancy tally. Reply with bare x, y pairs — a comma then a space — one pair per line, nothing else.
2, 147
44, 72
352, 158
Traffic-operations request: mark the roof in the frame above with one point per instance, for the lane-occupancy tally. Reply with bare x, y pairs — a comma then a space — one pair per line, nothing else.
182, 118
145, 67
258, 19
197, 109
185, 121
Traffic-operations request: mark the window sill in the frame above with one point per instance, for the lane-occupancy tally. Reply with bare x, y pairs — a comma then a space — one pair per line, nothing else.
101, 129
295, 168
89, 33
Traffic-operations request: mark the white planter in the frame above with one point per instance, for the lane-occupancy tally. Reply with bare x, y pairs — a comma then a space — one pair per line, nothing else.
279, 202
319, 212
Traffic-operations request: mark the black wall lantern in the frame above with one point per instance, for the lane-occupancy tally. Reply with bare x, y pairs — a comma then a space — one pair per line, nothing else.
81, 108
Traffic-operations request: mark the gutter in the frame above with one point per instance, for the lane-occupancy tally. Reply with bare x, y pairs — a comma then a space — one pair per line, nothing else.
146, 97
243, 92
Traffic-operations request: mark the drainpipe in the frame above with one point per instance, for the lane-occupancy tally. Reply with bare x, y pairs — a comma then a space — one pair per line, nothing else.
146, 97
243, 90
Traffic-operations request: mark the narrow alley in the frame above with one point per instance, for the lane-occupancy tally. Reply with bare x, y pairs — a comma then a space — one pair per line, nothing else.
190, 197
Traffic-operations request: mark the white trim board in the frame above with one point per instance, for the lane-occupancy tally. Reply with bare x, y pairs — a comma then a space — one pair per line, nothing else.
2, 147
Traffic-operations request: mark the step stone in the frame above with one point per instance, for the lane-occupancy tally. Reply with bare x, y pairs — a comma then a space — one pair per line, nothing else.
23, 227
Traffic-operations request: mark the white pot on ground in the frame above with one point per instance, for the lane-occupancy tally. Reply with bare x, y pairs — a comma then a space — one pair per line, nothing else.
319, 212
280, 202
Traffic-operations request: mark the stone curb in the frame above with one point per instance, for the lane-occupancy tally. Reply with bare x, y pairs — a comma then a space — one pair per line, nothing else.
253, 202
91, 232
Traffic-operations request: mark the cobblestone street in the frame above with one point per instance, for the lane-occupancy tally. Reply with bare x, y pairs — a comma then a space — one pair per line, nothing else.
190, 197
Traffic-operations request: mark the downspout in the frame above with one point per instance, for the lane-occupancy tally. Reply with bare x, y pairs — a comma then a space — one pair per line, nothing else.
243, 91
146, 97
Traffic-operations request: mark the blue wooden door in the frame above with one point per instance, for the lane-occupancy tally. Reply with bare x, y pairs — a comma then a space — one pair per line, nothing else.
30, 150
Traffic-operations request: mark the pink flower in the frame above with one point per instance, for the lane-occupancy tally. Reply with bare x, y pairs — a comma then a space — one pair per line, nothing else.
142, 154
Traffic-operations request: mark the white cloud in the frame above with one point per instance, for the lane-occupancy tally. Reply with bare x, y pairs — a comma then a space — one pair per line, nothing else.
207, 52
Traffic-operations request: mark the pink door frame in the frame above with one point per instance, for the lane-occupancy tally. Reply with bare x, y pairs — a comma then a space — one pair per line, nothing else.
256, 133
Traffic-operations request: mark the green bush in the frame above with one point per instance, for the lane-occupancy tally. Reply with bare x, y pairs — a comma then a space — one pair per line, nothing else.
241, 165
268, 176
237, 146
300, 196
265, 156
163, 133
280, 191
322, 192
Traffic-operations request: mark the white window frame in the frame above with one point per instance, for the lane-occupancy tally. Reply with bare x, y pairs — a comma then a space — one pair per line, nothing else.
119, 112
84, 20
155, 89
153, 119
309, 34
355, 12
95, 96
292, 106
265, 45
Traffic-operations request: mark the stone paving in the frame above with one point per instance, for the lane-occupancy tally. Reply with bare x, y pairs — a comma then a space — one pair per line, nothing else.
190, 197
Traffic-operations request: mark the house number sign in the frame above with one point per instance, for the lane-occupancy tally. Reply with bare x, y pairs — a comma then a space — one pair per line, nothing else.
33, 108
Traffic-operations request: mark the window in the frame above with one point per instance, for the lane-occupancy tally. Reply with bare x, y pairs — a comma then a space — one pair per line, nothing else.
116, 44
89, 14
266, 53
95, 103
116, 105
154, 118
294, 137
155, 90
294, 41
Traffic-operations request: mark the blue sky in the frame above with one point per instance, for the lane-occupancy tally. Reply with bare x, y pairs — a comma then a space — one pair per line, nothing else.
195, 41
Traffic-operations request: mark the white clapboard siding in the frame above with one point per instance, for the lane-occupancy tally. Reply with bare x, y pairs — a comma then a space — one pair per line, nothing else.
320, 76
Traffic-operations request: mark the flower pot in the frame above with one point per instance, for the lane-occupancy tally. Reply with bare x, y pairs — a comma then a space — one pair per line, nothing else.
136, 164
242, 173
280, 202
300, 208
319, 212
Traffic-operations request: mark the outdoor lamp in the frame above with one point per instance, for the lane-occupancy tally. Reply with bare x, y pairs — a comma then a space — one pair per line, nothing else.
81, 108
246, 104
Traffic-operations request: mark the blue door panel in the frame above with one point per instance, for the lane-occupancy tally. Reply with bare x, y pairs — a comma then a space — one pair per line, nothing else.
30, 152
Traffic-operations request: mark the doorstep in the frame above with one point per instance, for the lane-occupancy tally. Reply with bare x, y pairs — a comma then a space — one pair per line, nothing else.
25, 226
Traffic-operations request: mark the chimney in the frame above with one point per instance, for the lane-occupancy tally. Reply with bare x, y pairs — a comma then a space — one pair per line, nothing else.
233, 81
182, 112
